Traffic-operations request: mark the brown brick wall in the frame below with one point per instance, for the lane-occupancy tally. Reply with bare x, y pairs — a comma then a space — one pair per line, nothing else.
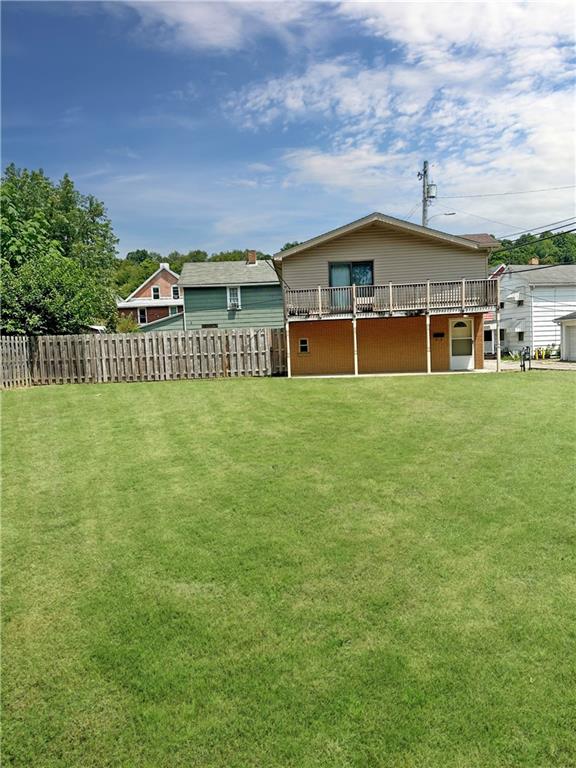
331, 348
385, 345
164, 280
152, 313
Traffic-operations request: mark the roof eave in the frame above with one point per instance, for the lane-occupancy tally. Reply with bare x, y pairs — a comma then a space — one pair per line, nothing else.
390, 221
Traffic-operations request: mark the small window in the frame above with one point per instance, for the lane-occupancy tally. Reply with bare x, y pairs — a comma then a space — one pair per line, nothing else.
520, 303
234, 298
209, 325
173, 310
155, 291
520, 335
501, 305
487, 335
502, 334
142, 318
175, 292
303, 346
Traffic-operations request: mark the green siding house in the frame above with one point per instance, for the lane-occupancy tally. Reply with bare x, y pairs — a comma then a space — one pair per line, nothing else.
227, 294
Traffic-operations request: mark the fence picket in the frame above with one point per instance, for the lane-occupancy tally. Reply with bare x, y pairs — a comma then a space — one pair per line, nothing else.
165, 356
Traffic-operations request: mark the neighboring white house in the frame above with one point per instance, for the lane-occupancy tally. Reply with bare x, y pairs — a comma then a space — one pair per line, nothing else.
532, 297
567, 325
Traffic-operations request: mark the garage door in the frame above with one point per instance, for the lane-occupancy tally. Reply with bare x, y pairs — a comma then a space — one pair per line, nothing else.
570, 343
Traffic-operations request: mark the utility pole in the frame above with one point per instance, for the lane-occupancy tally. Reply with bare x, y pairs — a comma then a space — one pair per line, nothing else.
428, 192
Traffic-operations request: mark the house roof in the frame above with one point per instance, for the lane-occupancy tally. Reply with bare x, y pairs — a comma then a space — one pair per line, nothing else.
393, 223
216, 273
545, 274
164, 267
483, 239
569, 316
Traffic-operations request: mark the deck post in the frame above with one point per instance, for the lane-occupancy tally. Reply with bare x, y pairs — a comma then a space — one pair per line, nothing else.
319, 301
428, 347
498, 349
288, 363
463, 295
390, 296
354, 330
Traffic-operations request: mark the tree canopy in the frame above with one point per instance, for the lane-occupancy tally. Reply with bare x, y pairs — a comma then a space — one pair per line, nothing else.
58, 256
548, 247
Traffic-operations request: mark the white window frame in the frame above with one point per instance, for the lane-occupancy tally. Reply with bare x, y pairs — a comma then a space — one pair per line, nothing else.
155, 288
303, 342
142, 309
229, 301
175, 291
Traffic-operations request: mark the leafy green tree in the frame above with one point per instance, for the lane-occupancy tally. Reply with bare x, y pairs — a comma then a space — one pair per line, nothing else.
141, 254
287, 246
57, 257
127, 324
548, 247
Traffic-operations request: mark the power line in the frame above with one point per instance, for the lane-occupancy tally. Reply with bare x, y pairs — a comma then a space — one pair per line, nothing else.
476, 216
541, 240
501, 194
545, 227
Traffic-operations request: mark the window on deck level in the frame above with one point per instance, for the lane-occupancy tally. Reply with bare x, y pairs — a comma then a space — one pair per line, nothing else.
351, 273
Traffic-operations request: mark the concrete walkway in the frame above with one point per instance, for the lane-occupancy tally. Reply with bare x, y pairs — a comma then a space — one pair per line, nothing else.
537, 365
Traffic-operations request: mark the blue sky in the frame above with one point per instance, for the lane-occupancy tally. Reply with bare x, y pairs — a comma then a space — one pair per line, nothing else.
221, 125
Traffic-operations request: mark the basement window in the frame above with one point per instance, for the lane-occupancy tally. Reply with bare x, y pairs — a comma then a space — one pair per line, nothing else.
520, 335
303, 346
520, 303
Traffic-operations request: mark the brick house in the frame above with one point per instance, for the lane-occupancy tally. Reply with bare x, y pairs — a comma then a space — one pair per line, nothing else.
384, 295
158, 297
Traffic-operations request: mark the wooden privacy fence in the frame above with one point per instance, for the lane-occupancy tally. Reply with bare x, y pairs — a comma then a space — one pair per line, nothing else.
160, 356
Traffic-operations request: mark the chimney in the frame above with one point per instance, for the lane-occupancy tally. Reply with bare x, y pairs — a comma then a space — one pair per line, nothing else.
251, 257
535, 261
164, 265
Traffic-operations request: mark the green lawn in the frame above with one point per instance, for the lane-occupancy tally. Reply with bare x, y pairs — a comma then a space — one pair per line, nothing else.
258, 573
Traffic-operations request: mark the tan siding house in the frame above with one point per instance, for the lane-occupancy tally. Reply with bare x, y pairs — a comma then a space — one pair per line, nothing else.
383, 295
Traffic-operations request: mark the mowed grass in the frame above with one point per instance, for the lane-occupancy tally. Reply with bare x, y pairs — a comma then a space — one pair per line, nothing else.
242, 573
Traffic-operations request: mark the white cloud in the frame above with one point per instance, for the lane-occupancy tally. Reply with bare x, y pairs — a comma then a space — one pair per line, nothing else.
485, 90
226, 26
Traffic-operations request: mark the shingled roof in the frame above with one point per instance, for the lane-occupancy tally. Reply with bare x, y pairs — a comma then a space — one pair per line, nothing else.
215, 273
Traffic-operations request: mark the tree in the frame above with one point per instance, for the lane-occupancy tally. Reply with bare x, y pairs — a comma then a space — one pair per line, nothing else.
127, 324
548, 247
287, 246
141, 254
58, 252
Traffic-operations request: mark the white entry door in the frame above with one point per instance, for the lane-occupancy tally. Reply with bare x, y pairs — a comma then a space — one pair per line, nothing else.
462, 344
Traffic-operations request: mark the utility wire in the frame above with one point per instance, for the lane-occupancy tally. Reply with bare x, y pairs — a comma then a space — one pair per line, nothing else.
475, 215
545, 227
501, 194
541, 240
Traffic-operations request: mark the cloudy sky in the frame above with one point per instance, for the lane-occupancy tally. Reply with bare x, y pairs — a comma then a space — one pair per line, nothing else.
246, 124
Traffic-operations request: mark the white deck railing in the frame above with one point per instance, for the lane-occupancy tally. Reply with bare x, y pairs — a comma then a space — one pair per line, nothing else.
358, 300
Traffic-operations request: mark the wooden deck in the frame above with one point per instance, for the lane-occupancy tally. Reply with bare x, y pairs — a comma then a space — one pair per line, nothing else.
392, 299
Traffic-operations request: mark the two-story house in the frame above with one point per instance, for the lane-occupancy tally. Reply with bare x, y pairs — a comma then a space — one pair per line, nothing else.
384, 295
227, 294
157, 298
532, 297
